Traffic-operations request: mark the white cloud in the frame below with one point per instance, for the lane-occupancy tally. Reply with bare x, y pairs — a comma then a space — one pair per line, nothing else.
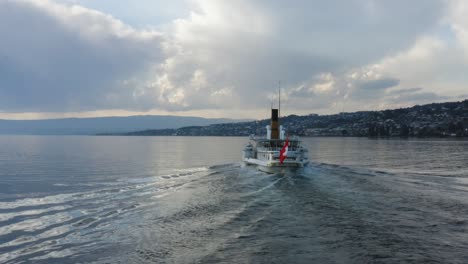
433, 68
249, 46
230, 55
56, 57
325, 85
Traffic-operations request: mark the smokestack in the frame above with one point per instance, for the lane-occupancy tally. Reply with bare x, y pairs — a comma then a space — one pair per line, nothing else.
274, 124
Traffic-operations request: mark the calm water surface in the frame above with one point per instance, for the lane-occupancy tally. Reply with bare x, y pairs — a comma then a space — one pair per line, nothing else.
188, 200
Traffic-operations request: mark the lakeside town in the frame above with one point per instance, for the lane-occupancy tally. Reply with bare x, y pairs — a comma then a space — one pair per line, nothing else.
432, 120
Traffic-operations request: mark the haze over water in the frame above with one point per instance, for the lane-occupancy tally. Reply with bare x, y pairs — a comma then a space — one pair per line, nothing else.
187, 199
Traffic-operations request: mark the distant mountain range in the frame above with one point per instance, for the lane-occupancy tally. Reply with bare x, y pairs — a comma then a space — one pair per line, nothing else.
431, 120
99, 125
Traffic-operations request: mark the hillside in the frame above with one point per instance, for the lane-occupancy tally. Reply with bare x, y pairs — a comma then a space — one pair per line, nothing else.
431, 120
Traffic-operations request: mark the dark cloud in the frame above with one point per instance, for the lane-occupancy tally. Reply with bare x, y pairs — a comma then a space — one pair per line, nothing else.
56, 58
354, 32
422, 97
380, 84
415, 96
372, 89
405, 91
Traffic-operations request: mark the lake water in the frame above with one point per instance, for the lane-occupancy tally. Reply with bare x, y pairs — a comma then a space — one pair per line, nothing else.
188, 200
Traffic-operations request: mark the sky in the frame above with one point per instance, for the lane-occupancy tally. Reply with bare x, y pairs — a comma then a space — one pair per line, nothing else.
211, 58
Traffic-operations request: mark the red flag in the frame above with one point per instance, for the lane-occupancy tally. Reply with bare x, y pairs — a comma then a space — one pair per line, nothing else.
284, 151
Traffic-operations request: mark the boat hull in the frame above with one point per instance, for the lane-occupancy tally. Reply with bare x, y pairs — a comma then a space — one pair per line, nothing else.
275, 166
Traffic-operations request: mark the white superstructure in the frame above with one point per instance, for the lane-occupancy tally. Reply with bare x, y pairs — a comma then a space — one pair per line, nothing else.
264, 152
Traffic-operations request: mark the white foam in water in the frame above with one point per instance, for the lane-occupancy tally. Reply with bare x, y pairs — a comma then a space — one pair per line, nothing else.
33, 212
28, 202
135, 204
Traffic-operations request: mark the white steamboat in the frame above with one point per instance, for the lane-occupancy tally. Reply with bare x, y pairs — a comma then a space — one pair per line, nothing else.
265, 152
